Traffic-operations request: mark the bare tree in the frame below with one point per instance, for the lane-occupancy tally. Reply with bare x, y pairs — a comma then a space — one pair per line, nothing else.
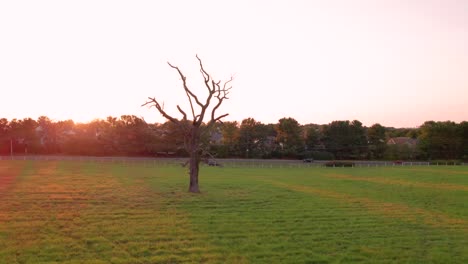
192, 128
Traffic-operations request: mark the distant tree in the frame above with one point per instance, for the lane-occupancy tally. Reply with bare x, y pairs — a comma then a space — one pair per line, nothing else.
191, 126
4, 127
132, 134
4, 136
23, 134
377, 141
248, 137
230, 131
463, 134
392, 132
15, 135
270, 145
413, 133
48, 135
289, 136
223, 139
314, 147
360, 144
346, 140
440, 140
312, 136
171, 138
255, 139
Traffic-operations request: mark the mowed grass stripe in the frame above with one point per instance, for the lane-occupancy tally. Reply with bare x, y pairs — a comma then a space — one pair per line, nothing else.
430, 175
392, 210
270, 224
35, 212
440, 186
449, 202
9, 170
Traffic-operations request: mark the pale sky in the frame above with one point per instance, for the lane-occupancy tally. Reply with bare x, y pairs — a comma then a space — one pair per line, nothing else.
397, 63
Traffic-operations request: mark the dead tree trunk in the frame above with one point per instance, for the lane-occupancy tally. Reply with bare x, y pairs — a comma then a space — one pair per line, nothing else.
194, 162
191, 128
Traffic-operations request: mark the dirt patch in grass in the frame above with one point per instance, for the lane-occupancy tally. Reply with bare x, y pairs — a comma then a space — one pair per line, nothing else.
440, 186
391, 210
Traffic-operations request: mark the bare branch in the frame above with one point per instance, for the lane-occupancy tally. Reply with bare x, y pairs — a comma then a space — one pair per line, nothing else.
221, 95
182, 111
155, 103
219, 118
191, 105
205, 75
211, 91
203, 110
184, 82
226, 83
206, 78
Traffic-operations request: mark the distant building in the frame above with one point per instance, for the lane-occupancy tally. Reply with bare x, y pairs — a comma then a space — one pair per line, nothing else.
403, 141
216, 137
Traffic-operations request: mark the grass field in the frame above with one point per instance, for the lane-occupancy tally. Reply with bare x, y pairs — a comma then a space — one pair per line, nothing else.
83, 212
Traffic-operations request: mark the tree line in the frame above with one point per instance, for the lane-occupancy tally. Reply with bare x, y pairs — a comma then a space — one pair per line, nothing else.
130, 135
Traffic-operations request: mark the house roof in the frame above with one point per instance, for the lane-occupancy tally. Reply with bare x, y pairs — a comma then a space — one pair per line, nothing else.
402, 141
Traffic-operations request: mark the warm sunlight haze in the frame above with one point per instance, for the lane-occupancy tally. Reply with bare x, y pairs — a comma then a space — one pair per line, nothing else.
398, 63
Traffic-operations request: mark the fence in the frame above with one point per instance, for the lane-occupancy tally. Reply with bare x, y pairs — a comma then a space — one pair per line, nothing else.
230, 163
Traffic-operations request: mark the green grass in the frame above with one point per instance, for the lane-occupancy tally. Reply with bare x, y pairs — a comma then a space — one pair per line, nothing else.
82, 212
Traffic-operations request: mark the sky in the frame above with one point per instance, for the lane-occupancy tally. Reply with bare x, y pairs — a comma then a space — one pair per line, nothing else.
396, 62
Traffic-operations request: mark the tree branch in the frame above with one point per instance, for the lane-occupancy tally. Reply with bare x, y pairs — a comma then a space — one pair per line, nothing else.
182, 111
155, 103
202, 113
191, 105
205, 75
222, 94
184, 81
219, 118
